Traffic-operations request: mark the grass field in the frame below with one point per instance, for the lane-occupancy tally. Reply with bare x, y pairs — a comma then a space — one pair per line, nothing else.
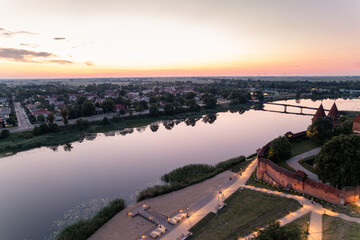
335, 228
307, 164
246, 211
302, 224
302, 146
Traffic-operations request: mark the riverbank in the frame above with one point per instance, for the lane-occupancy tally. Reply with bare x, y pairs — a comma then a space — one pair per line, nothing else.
18, 142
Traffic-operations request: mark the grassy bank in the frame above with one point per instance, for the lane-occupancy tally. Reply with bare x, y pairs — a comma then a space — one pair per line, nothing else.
188, 175
27, 140
246, 210
336, 228
83, 229
302, 224
301, 146
308, 163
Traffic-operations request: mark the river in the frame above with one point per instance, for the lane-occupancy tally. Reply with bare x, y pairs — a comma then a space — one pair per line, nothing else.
44, 189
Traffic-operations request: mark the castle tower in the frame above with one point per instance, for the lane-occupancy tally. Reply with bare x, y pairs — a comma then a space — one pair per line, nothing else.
320, 113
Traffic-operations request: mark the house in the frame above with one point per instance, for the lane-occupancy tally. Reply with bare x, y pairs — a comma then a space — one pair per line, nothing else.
320, 113
356, 124
72, 98
43, 112
118, 107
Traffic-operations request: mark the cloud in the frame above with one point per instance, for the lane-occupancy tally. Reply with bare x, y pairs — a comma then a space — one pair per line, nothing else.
59, 38
88, 63
29, 45
60, 61
22, 55
7, 33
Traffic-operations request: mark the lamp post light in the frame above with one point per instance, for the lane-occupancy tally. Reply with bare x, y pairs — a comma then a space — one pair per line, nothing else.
307, 230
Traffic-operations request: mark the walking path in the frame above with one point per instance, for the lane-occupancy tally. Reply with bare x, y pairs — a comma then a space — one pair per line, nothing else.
294, 162
315, 225
194, 218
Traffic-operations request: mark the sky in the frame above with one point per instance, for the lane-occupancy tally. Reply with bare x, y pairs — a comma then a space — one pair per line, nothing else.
137, 38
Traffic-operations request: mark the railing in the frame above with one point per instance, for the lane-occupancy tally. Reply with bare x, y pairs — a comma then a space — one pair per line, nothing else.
146, 232
157, 214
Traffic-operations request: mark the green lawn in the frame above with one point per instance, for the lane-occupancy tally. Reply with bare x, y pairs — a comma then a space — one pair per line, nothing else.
302, 224
302, 146
286, 166
246, 211
307, 163
335, 228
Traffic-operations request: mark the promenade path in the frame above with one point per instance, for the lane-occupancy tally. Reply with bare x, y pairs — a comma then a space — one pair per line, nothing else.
194, 218
294, 162
315, 225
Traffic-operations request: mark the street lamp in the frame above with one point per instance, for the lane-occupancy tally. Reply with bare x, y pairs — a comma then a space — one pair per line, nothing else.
307, 230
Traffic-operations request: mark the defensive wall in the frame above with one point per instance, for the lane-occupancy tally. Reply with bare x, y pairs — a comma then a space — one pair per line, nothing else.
299, 182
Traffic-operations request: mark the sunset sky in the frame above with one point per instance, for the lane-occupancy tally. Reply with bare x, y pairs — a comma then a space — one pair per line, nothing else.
122, 38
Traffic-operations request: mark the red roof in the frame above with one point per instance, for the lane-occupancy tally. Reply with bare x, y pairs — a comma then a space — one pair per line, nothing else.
41, 111
320, 113
334, 112
119, 106
357, 118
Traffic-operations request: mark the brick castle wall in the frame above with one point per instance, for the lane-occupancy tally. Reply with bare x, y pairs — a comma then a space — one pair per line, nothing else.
278, 176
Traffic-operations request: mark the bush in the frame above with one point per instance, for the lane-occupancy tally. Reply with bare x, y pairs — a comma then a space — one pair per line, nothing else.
82, 124
83, 229
186, 176
105, 121
230, 163
4, 134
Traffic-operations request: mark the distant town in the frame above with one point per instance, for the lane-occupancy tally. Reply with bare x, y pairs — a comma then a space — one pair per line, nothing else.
61, 101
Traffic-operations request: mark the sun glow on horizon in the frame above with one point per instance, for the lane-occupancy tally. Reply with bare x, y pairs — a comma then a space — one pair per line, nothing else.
178, 38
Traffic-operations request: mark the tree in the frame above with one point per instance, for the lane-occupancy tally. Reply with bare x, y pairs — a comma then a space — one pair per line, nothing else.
4, 134
339, 161
51, 117
105, 121
40, 118
209, 100
65, 113
11, 120
280, 149
88, 108
108, 105
169, 109
154, 110
320, 131
275, 232
82, 124
344, 127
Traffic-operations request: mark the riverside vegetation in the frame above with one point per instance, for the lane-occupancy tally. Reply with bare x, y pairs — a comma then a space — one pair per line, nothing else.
83, 229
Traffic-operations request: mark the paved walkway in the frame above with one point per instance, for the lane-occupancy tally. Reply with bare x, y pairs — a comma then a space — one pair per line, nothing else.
315, 226
294, 162
194, 218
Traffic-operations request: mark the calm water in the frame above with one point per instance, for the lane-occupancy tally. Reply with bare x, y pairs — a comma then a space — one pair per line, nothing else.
44, 189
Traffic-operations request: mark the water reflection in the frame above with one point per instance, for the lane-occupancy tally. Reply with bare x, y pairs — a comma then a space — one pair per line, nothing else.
126, 131
154, 127
169, 124
210, 118
68, 147
141, 129
91, 136
54, 148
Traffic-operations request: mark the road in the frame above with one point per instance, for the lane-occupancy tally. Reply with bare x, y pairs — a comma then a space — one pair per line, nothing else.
23, 121
294, 162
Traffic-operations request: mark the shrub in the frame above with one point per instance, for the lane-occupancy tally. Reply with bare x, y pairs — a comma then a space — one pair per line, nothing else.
105, 121
83, 229
230, 163
4, 134
82, 124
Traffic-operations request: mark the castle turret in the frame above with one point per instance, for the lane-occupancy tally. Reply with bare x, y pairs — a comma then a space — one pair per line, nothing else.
320, 113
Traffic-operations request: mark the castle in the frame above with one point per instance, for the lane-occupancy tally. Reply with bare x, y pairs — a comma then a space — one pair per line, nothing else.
298, 181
